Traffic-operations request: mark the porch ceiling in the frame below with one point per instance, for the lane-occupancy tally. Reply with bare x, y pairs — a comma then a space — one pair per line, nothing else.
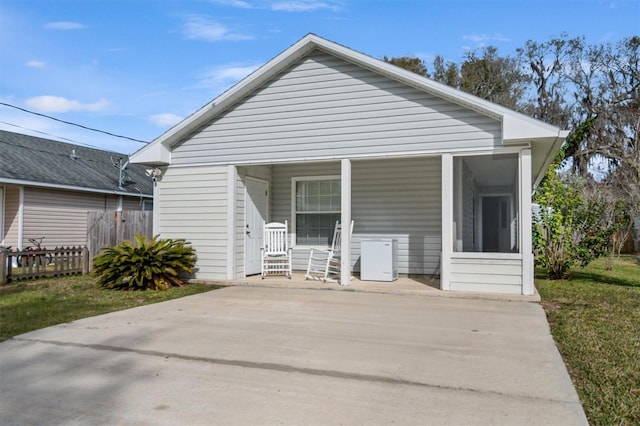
493, 170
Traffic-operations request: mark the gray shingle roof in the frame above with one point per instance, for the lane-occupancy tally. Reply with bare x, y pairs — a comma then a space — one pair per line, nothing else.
45, 161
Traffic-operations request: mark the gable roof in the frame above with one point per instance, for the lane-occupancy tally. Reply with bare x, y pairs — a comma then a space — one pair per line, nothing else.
516, 127
31, 160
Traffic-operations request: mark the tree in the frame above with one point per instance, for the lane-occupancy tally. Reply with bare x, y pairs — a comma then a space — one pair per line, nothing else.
410, 63
543, 68
446, 72
492, 77
573, 226
606, 82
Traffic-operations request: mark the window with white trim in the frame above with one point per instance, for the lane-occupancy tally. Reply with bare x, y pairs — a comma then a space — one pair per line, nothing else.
316, 209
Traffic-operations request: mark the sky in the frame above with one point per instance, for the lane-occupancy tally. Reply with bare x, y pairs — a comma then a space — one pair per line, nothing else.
135, 68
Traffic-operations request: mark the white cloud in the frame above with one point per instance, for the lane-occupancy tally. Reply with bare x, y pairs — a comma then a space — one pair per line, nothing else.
235, 3
226, 75
165, 119
482, 39
61, 104
201, 28
36, 64
301, 5
64, 25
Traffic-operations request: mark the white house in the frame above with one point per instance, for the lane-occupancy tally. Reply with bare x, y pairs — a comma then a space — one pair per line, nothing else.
323, 133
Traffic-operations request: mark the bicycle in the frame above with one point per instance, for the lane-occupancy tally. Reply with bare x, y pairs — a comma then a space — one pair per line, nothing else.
41, 259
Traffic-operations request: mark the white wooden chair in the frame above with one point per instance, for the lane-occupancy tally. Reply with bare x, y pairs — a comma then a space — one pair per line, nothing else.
324, 265
276, 253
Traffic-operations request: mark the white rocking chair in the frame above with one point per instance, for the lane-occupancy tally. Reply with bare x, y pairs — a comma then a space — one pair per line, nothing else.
276, 253
324, 265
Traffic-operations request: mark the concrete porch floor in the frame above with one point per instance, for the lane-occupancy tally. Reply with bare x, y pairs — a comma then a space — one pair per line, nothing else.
417, 285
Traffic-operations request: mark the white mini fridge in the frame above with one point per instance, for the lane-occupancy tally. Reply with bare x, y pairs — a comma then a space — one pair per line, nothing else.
379, 259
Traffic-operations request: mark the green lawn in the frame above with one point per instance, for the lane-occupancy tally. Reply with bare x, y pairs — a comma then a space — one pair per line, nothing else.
595, 320
46, 302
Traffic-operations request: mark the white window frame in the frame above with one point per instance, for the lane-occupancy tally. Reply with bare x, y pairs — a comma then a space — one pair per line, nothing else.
294, 183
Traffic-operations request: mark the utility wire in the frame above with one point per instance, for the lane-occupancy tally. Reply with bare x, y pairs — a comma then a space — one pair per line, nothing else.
49, 134
58, 154
73, 124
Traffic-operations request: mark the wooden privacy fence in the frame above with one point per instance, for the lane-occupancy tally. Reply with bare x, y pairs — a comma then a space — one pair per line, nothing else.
108, 228
23, 265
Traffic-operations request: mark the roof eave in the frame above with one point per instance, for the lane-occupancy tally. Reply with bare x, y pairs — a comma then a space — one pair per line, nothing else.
550, 156
153, 155
21, 182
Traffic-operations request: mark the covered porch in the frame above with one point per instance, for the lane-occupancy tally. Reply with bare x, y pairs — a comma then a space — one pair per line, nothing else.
460, 220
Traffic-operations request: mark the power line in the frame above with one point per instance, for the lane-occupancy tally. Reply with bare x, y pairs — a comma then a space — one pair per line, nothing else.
73, 124
49, 134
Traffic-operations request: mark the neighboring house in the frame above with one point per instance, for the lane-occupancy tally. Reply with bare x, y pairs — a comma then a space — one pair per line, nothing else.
47, 187
323, 133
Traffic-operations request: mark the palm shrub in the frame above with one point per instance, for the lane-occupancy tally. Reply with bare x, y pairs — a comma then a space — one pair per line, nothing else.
146, 265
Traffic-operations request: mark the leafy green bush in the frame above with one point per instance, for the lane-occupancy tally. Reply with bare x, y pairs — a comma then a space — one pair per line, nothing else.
573, 226
146, 265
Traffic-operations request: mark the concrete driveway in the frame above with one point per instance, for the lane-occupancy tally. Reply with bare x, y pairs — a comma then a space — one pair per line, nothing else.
251, 355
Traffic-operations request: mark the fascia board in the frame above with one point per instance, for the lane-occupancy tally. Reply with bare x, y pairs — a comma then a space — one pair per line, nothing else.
152, 154
20, 182
517, 127
550, 156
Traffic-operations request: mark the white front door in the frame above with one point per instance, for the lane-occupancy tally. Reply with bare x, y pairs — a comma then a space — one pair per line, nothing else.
256, 211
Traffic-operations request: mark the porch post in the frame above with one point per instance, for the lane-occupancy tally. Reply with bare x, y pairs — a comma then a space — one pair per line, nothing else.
155, 213
345, 220
447, 221
526, 244
232, 175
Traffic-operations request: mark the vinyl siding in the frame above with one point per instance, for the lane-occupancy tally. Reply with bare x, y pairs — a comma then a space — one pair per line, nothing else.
486, 275
11, 208
192, 205
397, 198
60, 216
327, 107
132, 203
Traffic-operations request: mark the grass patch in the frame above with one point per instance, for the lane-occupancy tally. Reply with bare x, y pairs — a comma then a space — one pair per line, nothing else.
595, 320
42, 303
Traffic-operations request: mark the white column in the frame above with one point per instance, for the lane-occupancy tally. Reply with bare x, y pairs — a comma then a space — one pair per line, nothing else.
232, 175
447, 221
526, 244
345, 220
156, 209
